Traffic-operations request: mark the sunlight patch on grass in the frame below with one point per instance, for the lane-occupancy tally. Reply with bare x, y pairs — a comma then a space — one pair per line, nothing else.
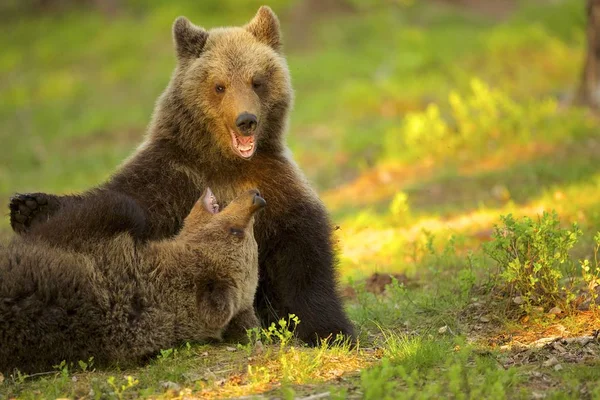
375, 242
290, 366
389, 249
415, 352
575, 325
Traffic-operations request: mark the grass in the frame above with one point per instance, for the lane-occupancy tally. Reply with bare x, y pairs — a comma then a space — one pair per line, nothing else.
424, 124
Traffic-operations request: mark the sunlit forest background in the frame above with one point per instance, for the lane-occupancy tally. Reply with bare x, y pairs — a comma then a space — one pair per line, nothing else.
420, 123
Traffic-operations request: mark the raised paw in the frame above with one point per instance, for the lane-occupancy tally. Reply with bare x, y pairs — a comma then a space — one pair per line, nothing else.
27, 209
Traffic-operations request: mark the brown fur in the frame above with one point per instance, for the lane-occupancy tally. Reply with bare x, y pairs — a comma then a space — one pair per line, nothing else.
118, 300
189, 146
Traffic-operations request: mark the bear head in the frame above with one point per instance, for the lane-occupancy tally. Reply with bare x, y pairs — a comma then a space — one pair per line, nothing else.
224, 243
235, 83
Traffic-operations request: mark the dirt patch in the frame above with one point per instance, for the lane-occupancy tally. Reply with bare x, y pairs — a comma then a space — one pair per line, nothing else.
377, 284
546, 358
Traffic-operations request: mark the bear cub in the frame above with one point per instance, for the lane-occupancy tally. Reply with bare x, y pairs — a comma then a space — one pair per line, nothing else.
70, 297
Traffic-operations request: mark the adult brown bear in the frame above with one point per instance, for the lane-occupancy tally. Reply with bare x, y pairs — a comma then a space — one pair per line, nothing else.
71, 295
220, 123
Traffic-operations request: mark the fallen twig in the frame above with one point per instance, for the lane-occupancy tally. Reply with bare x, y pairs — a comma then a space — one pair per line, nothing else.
316, 396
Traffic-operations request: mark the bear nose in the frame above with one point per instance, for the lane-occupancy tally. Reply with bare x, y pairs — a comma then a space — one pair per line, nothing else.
259, 202
246, 123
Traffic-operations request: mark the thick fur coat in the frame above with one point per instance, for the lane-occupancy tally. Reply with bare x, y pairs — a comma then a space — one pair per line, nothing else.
71, 296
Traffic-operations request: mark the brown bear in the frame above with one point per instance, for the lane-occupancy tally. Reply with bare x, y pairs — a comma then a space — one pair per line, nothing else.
221, 123
119, 300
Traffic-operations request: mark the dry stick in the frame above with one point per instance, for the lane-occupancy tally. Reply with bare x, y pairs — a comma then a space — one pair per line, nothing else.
40, 374
316, 396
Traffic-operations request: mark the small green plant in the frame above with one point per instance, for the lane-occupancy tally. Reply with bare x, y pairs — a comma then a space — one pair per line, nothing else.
84, 366
532, 257
466, 277
119, 390
18, 377
297, 363
166, 354
283, 330
63, 368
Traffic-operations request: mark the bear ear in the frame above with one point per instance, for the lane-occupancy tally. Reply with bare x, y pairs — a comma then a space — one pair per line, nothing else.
265, 27
189, 38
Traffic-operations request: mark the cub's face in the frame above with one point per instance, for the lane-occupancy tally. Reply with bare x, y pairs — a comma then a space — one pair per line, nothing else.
235, 81
227, 236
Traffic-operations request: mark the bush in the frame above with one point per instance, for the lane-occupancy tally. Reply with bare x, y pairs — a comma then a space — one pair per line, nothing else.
533, 257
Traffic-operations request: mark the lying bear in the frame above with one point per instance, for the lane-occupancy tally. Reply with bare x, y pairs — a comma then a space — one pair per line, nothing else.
65, 296
221, 123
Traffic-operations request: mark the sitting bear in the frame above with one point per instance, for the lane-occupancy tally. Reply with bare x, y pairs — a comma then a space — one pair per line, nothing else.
221, 123
68, 296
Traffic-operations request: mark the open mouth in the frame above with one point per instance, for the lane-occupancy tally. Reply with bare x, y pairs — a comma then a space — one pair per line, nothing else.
244, 146
210, 202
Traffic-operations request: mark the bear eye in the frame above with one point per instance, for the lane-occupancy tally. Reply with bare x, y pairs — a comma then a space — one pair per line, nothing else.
239, 233
256, 84
220, 89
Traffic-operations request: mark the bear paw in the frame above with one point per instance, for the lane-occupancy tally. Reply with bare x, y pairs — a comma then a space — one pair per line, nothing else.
215, 303
27, 209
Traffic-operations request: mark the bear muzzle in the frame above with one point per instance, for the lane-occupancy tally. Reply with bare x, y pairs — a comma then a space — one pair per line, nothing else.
243, 139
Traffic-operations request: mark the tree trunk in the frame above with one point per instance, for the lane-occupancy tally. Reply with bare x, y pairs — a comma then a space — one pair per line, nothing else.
588, 93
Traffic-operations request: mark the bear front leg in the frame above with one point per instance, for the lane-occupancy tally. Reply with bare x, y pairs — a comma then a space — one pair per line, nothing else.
298, 266
30, 209
240, 323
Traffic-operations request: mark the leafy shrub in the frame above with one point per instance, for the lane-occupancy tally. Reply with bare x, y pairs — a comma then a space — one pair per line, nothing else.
533, 256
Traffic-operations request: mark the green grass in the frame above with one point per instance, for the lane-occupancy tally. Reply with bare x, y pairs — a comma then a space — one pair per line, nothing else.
419, 123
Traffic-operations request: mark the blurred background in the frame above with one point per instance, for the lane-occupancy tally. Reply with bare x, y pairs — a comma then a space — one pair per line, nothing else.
410, 115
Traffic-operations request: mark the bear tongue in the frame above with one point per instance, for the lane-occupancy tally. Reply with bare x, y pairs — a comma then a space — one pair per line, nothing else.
245, 139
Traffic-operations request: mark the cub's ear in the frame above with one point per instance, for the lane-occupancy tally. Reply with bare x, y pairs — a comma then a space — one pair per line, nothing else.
189, 38
265, 27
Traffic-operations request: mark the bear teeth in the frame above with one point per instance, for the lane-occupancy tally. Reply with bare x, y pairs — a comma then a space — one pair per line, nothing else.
244, 146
